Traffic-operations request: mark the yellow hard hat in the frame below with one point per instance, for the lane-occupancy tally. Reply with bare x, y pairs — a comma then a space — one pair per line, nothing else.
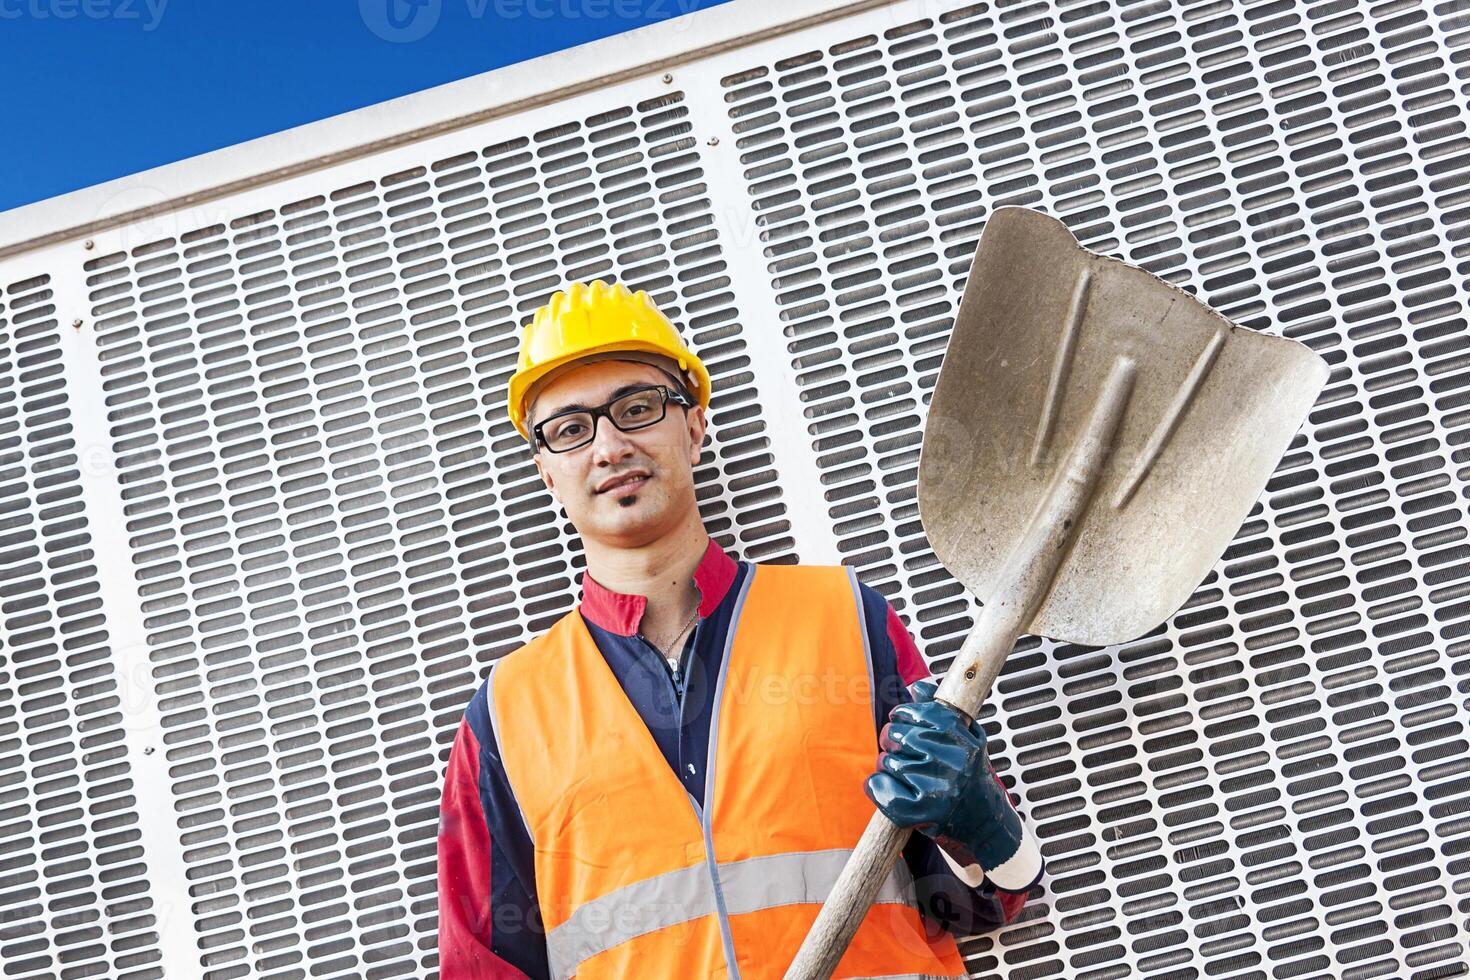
593, 318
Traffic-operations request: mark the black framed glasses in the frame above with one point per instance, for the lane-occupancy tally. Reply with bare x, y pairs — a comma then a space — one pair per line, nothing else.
636, 409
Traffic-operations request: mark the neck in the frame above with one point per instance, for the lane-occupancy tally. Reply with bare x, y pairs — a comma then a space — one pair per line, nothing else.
661, 570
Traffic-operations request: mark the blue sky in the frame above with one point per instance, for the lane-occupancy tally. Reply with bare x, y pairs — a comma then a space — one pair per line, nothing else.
98, 89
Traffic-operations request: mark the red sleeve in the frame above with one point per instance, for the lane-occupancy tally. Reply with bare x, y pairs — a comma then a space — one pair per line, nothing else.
1011, 904
911, 667
464, 871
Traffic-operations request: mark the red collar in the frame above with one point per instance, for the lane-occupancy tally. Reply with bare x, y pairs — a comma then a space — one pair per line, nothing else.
621, 614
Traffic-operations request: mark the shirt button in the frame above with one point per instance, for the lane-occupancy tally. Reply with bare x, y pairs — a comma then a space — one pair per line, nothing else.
691, 768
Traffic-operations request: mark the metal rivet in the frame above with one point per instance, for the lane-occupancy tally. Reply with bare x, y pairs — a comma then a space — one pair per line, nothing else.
668, 79
714, 141
970, 674
77, 324
148, 750
88, 244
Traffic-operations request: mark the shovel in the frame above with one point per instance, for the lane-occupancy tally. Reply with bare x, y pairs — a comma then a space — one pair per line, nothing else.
1095, 439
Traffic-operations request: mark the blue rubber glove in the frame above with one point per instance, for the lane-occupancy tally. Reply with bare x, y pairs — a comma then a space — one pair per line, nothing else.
934, 776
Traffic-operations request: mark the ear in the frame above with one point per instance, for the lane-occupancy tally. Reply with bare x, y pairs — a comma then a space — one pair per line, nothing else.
697, 424
545, 475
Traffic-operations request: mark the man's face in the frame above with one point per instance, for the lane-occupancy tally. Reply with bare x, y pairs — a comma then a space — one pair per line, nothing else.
653, 467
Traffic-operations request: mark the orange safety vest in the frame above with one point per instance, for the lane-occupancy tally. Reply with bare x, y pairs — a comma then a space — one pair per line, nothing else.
634, 878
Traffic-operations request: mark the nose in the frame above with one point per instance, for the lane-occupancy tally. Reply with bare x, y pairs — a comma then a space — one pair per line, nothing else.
610, 445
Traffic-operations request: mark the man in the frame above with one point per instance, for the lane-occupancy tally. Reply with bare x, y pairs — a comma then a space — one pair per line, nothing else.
667, 782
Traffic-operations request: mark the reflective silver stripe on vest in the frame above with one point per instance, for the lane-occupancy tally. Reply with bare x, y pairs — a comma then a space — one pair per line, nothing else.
688, 894
707, 813
802, 876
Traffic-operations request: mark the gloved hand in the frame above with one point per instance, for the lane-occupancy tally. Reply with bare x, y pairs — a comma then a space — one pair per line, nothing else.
934, 776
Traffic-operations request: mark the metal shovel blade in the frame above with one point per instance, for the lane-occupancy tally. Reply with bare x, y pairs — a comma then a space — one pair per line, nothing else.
1095, 439
1214, 406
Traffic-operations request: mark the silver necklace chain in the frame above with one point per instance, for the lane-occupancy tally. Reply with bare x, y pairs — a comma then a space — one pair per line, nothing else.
674, 661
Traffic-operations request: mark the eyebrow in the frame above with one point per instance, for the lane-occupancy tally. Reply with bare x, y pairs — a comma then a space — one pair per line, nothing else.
619, 393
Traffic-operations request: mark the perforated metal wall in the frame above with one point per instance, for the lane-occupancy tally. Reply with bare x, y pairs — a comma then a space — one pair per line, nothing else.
1277, 781
74, 888
318, 527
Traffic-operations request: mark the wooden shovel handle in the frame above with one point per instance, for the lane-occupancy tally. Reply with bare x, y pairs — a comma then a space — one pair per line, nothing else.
1026, 578
882, 842
876, 851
